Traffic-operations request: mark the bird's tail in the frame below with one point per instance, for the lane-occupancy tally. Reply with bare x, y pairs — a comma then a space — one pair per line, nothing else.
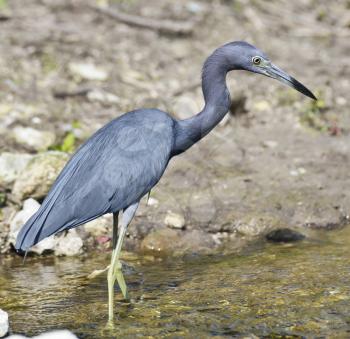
58, 212
34, 230
51, 218
45, 222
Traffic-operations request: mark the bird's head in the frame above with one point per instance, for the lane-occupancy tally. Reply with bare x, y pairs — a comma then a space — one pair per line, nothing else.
243, 56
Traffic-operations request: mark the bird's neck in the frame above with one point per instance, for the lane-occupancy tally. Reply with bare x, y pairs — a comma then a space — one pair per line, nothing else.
217, 104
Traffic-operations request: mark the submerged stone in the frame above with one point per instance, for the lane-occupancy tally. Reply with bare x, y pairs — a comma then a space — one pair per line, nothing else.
162, 240
284, 235
172, 242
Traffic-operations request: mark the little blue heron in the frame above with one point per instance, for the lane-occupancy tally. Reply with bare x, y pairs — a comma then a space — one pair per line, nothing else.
125, 159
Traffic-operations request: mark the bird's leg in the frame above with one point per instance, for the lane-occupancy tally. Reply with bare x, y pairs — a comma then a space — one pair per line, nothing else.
114, 271
96, 273
110, 276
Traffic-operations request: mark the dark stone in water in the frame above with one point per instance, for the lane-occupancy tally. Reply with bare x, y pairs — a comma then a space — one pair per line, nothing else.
284, 235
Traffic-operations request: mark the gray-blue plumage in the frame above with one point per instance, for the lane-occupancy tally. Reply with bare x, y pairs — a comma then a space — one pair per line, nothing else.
115, 168
122, 161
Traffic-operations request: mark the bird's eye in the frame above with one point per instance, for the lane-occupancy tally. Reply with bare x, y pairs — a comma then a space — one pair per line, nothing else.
256, 60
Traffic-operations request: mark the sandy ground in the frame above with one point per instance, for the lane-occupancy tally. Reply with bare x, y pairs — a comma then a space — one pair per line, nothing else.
278, 160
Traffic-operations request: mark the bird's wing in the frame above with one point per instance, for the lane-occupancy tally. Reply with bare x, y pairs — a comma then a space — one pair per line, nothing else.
113, 169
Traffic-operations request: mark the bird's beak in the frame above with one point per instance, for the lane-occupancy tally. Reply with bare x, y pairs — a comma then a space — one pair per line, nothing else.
276, 73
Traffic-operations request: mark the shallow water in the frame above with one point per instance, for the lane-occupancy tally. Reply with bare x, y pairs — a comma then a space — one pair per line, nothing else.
272, 291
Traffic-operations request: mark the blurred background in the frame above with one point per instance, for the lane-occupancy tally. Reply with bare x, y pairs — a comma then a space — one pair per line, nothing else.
69, 67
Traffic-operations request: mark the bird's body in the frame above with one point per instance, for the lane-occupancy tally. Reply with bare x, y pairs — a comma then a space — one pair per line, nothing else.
103, 176
123, 160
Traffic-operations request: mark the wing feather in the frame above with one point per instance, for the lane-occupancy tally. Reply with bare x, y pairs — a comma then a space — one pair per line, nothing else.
117, 166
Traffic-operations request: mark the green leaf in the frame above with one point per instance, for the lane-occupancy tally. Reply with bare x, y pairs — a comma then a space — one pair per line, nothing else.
68, 144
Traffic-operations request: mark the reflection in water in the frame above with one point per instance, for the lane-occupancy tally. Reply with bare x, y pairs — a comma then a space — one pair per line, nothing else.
300, 290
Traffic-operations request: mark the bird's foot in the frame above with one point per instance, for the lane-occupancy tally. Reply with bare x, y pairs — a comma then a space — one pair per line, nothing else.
96, 273
110, 325
115, 273
118, 275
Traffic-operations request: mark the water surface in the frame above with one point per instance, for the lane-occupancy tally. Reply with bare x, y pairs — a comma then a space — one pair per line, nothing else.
271, 291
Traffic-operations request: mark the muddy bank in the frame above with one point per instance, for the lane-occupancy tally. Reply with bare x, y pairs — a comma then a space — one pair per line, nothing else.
277, 161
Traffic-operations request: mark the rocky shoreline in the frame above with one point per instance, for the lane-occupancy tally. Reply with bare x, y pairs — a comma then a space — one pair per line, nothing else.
203, 220
276, 161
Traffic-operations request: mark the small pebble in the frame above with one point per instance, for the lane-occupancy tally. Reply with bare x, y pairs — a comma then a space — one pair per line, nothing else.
88, 71
152, 202
174, 220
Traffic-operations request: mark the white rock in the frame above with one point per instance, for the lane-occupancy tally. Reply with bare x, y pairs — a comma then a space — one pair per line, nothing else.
12, 112
47, 244
103, 97
4, 323
194, 7
270, 143
297, 172
30, 206
69, 244
88, 71
11, 164
301, 170
249, 227
38, 140
261, 106
152, 202
174, 220
36, 120
60, 334
341, 101
100, 226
